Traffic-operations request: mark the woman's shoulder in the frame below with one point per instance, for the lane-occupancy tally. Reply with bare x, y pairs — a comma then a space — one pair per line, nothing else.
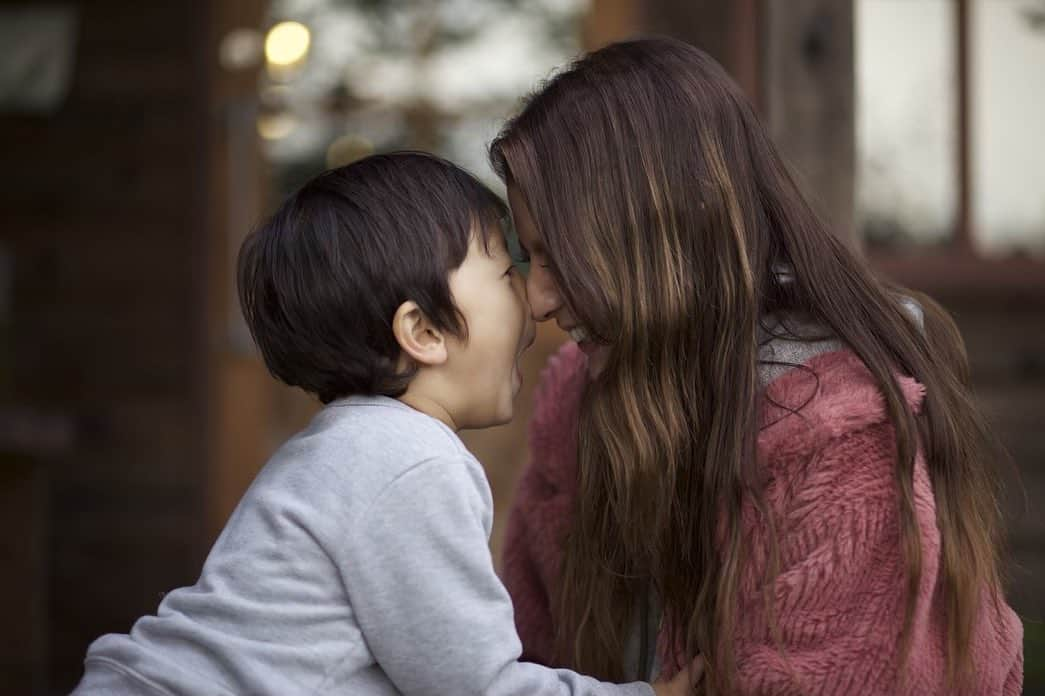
830, 396
560, 386
553, 427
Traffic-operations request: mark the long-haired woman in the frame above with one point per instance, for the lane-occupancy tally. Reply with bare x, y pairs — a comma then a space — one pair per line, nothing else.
754, 450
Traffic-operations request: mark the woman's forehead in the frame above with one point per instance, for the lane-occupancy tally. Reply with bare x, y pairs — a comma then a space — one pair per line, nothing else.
523, 226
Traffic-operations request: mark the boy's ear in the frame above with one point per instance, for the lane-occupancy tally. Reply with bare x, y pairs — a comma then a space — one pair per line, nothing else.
417, 337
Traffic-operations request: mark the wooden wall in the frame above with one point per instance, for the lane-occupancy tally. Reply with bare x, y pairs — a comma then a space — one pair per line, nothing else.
104, 208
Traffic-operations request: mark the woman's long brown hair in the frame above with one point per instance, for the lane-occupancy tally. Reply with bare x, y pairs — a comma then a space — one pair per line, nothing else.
667, 215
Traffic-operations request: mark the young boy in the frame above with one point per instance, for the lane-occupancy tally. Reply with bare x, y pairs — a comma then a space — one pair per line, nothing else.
357, 562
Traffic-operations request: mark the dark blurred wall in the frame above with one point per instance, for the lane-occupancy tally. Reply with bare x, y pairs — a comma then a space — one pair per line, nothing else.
107, 213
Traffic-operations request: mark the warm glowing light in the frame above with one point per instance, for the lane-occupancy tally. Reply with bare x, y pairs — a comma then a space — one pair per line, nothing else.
347, 149
287, 44
276, 126
240, 49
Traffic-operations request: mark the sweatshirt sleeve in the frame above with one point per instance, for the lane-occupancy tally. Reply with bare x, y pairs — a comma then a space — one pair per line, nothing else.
420, 578
528, 569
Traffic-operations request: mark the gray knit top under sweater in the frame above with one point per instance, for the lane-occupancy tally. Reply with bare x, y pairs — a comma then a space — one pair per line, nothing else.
356, 563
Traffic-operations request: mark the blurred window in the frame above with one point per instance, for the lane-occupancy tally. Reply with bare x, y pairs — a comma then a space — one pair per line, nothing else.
1008, 125
950, 102
387, 74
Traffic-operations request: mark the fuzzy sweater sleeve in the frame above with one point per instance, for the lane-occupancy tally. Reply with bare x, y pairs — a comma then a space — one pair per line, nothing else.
839, 597
543, 503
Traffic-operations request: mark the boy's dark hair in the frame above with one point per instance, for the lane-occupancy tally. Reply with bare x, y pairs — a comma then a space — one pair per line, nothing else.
320, 281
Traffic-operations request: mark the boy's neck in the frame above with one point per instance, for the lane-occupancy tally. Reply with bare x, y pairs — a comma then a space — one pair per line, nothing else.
429, 407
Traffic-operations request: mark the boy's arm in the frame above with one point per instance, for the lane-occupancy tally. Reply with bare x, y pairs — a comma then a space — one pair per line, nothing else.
419, 575
528, 558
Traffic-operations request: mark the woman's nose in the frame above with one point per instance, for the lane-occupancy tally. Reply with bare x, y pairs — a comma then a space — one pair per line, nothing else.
542, 293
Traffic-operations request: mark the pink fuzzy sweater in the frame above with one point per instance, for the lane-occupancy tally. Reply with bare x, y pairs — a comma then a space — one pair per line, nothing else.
840, 593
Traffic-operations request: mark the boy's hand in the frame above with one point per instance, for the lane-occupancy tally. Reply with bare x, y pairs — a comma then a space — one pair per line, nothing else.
683, 683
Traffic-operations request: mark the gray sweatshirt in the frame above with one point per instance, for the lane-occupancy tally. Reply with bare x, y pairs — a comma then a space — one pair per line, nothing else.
356, 563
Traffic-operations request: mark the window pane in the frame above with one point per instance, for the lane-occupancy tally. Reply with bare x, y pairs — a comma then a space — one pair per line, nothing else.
379, 76
906, 125
1008, 124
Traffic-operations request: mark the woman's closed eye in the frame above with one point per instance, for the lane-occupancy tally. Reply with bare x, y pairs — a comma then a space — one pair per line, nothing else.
519, 254
521, 261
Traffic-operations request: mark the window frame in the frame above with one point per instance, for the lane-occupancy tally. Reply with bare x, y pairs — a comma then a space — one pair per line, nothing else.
958, 267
